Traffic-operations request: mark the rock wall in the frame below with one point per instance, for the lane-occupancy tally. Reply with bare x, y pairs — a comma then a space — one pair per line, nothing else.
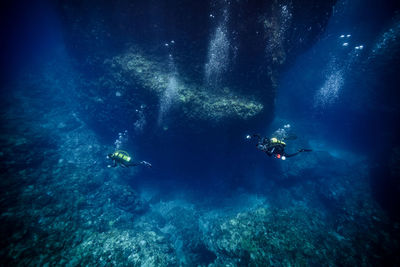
262, 38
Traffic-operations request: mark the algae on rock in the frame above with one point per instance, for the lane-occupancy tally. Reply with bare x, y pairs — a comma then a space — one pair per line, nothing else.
196, 100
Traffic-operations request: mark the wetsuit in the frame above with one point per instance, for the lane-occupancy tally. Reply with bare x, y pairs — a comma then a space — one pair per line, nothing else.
124, 164
124, 160
276, 148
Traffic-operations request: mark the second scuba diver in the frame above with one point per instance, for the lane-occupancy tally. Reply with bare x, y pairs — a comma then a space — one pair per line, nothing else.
274, 147
123, 159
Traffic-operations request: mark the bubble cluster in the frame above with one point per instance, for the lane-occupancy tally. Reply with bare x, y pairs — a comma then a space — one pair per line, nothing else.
329, 91
121, 140
282, 133
218, 53
276, 27
141, 121
168, 98
218, 57
388, 43
170, 94
347, 42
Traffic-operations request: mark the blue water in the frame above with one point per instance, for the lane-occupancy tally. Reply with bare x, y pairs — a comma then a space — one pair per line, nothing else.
180, 85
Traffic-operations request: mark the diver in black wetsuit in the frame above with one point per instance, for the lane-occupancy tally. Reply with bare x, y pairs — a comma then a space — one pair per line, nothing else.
275, 147
123, 159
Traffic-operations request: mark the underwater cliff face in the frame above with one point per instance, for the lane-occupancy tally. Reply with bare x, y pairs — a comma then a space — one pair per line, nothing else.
185, 69
128, 35
181, 84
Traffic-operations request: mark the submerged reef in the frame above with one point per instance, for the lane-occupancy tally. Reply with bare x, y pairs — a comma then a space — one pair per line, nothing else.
124, 248
60, 205
298, 235
273, 237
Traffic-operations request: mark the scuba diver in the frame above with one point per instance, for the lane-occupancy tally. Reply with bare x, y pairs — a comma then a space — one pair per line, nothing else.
123, 159
275, 147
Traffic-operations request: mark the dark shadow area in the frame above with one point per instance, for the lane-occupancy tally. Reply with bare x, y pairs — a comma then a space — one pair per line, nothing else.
386, 188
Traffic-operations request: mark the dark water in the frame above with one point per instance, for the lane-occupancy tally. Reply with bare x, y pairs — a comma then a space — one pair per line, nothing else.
180, 84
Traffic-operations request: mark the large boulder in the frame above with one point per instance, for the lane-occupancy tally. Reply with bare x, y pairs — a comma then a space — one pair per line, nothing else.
260, 38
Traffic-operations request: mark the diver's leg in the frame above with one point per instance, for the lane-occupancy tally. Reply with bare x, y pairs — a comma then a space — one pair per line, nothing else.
290, 155
132, 164
294, 154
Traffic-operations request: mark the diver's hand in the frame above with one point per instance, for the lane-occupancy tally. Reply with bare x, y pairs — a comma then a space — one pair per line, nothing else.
145, 163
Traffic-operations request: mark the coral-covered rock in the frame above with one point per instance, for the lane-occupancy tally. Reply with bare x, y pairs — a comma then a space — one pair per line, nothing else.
195, 100
294, 236
123, 248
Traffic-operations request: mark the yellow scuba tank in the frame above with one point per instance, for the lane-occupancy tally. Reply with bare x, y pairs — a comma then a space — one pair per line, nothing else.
275, 140
123, 155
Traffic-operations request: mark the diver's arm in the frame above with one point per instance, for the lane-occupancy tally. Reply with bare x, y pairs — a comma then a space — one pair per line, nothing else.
132, 164
290, 155
144, 163
270, 151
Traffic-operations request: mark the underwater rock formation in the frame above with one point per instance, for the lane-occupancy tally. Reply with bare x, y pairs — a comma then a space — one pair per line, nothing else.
323, 219
294, 236
123, 248
59, 192
195, 100
67, 208
61, 206
265, 237
259, 39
